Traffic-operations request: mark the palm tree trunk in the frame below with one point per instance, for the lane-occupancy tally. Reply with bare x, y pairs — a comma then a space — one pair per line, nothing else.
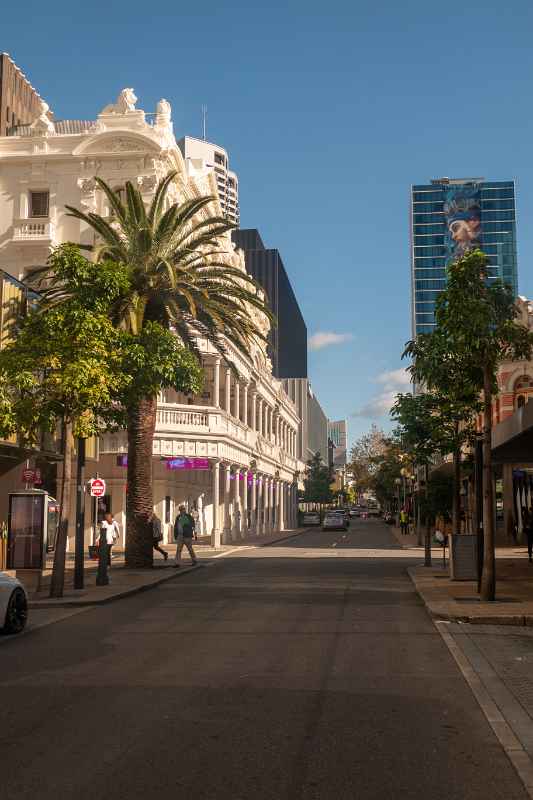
488, 577
456, 509
57, 583
140, 503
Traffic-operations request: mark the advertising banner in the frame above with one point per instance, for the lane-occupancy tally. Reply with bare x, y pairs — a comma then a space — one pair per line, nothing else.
462, 212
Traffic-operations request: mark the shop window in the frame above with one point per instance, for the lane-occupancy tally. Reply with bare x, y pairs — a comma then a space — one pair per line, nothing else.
521, 401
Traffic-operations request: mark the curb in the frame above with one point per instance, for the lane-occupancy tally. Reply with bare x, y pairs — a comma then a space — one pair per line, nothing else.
517, 620
284, 538
74, 603
499, 718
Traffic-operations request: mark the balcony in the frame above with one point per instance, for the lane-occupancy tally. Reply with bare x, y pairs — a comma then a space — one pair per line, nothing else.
35, 230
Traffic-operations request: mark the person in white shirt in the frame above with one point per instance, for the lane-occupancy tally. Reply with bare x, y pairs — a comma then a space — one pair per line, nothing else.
111, 530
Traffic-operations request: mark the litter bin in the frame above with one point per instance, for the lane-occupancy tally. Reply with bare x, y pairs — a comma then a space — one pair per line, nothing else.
463, 557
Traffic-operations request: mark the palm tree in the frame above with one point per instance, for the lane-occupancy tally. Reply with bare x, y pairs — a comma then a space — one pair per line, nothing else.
176, 256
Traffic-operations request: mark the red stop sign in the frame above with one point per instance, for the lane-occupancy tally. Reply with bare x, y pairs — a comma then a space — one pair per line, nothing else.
97, 487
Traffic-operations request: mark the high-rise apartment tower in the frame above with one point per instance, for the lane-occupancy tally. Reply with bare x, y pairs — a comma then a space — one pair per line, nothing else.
449, 217
201, 156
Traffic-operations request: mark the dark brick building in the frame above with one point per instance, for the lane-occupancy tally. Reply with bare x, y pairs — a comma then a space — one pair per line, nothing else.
19, 101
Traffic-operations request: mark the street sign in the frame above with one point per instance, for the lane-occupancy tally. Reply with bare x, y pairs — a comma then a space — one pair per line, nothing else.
28, 475
97, 487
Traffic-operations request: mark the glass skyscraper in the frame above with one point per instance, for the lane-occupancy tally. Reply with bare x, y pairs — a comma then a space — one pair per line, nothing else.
449, 216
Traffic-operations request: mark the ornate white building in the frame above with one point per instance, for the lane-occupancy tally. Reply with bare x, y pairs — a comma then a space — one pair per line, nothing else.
231, 453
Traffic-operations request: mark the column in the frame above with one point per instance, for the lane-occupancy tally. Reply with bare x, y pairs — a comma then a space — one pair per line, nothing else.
269, 419
244, 518
266, 501
281, 506
260, 509
253, 412
260, 416
253, 510
245, 405
278, 430
227, 496
236, 528
237, 403
228, 390
215, 490
216, 385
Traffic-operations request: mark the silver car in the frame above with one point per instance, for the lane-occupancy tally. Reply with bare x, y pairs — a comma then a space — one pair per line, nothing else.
13, 605
334, 521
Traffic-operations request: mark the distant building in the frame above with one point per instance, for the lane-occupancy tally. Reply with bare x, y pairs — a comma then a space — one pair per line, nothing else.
337, 432
201, 157
288, 339
313, 429
19, 101
448, 217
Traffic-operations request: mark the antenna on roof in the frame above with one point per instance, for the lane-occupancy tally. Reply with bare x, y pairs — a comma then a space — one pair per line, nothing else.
204, 123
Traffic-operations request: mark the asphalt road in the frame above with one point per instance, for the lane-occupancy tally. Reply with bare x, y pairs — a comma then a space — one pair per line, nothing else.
305, 670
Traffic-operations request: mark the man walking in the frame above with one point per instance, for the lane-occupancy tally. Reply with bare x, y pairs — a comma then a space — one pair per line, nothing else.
157, 536
183, 533
403, 522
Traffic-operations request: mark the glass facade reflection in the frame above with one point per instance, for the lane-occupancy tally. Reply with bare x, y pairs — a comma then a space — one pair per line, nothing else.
443, 214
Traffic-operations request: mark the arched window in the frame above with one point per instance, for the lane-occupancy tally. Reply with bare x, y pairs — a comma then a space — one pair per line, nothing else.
520, 401
523, 382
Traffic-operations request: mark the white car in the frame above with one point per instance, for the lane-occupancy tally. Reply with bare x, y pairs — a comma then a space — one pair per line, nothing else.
13, 605
311, 518
334, 521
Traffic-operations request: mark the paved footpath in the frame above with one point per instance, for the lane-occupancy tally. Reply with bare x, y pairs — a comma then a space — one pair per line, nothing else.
309, 670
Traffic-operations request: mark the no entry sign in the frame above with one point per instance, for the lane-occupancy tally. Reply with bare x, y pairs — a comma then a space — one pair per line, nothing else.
97, 487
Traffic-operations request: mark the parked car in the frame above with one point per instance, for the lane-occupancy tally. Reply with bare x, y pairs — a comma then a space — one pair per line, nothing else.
13, 604
334, 521
311, 518
355, 512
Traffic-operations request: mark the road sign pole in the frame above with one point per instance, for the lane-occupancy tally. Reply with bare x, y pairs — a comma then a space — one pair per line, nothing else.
80, 517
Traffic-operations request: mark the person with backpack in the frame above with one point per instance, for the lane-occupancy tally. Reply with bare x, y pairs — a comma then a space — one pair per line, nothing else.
183, 533
157, 535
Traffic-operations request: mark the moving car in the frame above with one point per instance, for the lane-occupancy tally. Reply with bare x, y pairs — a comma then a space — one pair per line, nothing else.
13, 605
311, 518
335, 521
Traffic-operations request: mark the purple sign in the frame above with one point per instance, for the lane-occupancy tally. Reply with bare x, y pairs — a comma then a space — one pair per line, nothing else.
187, 463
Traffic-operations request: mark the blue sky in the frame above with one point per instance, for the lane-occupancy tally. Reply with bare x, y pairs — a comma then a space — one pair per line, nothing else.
329, 112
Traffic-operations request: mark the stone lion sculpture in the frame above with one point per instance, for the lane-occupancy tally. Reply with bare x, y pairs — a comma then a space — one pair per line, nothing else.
124, 105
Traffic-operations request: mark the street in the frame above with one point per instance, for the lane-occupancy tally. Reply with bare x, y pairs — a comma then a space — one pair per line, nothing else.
308, 669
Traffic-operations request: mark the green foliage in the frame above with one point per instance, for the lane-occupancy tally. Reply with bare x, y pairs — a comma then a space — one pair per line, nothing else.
177, 268
365, 457
317, 482
388, 468
64, 364
154, 359
437, 500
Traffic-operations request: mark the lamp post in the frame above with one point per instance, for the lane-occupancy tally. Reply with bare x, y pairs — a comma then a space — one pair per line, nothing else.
398, 482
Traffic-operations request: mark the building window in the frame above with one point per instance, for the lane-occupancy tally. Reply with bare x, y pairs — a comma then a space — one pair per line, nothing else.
523, 382
39, 204
219, 159
521, 401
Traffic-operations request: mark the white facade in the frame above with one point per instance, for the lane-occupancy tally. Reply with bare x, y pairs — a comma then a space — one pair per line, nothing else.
203, 158
245, 427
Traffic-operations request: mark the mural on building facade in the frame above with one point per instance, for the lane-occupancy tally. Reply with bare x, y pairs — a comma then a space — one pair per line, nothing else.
462, 212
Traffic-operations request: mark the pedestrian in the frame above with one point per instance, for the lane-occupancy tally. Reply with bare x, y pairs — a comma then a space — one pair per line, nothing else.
111, 531
404, 522
157, 535
527, 525
183, 533
196, 517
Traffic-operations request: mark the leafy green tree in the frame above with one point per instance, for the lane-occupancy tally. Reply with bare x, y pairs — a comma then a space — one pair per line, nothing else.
317, 482
65, 367
476, 317
364, 457
176, 259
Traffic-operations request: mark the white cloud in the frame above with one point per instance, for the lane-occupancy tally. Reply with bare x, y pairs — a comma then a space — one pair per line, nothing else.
393, 382
327, 338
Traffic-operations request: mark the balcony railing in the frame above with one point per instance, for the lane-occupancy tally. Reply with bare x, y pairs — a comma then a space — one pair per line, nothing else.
34, 230
172, 418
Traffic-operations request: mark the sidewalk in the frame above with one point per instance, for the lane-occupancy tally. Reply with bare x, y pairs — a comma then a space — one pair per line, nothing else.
458, 600
124, 582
